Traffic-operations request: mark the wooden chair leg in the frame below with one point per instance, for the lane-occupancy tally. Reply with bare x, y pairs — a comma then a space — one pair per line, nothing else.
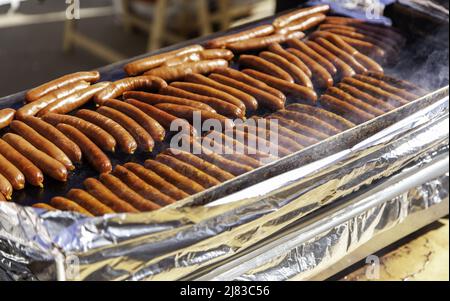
204, 17
224, 10
69, 31
157, 27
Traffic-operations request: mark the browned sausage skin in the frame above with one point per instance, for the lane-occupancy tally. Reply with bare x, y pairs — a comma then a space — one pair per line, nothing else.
65, 204
32, 174
55, 136
301, 46
145, 64
148, 123
286, 19
127, 194
304, 23
143, 138
92, 152
46, 163
73, 101
6, 116
125, 140
116, 89
255, 32
263, 42
321, 76
168, 96
210, 54
180, 71
154, 179
38, 141
107, 197
38, 92
306, 94
90, 203
344, 109
278, 49
101, 138
12, 173
262, 65
31, 109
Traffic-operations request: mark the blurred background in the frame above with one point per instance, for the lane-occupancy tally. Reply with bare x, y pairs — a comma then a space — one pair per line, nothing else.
38, 42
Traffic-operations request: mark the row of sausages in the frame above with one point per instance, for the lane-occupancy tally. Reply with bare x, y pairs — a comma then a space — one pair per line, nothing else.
176, 174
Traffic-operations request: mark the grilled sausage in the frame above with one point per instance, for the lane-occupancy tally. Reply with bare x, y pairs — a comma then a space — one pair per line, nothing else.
401, 84
12, 173
149, 124
343, 68
124, 139
99, 136
310, 121
388, 88
377, 103
348, 111
298, 127
232, 167
188, 171
210, 54
140, 66
286, 19
262, 65
143, 138
263, 42
6, 116
264, 98
65, 204
165, 119
43, 161
31, 109
89, 202
347, 58
44, 206
6, 188
395, 100
187, 113
55, 136
341, 95
38, 141
304, 93
276, 48
211, 169
248, 80
304, 23
179, 72
38, 92
154, 179
73, 101
327, 116
92, 153
365, 49
362, 59
116, 89
174, 177
287, 132
154, 99
245, 35
211, 92
299, 45
219, 106
124, 192
320, 75
249, 101
141, 187
107, 197
3, 184
32, 174
297, 74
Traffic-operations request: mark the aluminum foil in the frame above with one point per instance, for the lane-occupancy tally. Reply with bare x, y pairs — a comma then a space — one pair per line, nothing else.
179, 241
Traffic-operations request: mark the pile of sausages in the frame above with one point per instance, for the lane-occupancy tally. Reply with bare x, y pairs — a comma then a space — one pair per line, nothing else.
137, 112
